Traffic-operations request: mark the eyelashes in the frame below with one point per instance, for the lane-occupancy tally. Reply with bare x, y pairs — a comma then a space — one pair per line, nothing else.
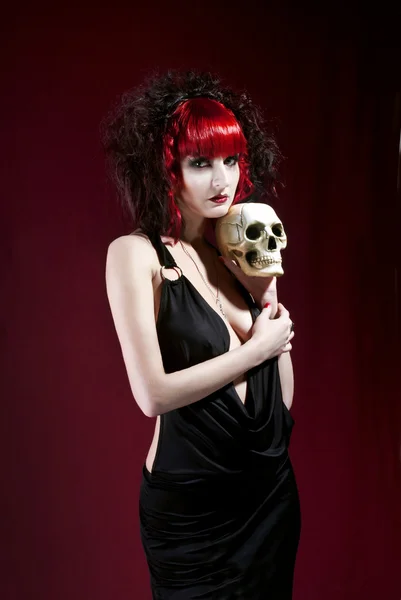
232, 160
201, 162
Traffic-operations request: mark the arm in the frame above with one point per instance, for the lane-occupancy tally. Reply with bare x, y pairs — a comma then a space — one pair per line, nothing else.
286, 378
284, 361
130, 268
264, 289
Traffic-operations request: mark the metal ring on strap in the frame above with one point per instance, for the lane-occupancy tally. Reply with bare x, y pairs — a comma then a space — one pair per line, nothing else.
176, 269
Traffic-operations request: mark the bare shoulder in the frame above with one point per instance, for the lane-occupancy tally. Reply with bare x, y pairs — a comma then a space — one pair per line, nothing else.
130, 267
132, 251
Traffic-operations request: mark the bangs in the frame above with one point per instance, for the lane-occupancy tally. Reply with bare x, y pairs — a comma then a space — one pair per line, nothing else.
207, 128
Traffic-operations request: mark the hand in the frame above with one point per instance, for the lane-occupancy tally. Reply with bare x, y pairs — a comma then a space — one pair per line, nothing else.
273, 336
262, 289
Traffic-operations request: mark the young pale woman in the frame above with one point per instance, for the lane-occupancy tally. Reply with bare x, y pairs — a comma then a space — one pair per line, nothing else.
206, 348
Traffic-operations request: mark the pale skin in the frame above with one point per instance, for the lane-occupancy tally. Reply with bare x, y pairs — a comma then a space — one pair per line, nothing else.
134, 283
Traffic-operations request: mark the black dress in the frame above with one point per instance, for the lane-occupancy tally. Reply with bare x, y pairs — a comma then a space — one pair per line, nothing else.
219, 513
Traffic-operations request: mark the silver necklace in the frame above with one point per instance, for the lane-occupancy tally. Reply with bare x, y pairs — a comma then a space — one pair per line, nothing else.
215, 296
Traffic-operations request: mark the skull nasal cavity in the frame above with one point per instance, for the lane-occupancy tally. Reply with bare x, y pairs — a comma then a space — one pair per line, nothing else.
272, 243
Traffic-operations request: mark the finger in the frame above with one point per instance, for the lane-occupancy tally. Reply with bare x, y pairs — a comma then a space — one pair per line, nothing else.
282, 311
267, 307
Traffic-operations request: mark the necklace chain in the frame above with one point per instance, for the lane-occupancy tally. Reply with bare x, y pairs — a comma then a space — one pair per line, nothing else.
215, 296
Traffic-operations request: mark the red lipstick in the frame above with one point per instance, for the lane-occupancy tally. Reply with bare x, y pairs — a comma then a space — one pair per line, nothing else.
219, 198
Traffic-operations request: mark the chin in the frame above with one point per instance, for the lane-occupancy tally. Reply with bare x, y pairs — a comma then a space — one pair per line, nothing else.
221, 209
218, 211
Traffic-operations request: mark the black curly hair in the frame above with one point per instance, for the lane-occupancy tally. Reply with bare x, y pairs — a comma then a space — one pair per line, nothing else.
132, 136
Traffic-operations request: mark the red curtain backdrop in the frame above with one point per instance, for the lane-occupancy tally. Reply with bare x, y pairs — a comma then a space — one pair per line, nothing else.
73, 440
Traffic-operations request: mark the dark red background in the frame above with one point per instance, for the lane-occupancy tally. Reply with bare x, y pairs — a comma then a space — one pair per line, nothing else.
73, 439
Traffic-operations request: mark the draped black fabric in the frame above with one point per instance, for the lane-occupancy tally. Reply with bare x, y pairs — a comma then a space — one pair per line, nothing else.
220, 511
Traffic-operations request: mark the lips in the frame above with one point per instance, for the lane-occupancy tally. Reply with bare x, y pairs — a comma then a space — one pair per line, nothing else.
219, 198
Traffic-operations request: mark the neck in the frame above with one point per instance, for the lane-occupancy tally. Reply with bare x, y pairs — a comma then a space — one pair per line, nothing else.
193, 231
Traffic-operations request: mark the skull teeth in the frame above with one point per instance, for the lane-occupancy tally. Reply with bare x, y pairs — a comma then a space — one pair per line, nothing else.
266, 260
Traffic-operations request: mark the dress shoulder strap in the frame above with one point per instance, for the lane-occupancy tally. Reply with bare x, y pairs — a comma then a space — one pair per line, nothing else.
165, 258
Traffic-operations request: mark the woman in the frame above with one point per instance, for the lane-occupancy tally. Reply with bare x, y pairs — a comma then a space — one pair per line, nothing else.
207, 349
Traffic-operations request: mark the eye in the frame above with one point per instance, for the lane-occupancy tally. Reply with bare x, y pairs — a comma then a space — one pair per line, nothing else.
277, 230
253, 232
231, 161
199, 163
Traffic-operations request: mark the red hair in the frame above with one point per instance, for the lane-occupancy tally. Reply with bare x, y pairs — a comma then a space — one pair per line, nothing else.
202, 127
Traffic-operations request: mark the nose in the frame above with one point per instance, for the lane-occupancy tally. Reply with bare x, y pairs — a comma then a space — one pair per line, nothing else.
219, 176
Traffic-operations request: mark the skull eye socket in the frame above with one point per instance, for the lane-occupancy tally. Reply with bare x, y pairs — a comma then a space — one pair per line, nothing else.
253, 232
277, 230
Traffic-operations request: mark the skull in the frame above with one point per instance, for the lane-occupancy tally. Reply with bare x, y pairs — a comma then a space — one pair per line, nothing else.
252, 235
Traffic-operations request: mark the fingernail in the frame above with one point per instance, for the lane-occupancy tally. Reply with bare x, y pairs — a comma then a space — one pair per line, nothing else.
266, 305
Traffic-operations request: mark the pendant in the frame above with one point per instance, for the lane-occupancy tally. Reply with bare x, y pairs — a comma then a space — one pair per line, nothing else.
219, 304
